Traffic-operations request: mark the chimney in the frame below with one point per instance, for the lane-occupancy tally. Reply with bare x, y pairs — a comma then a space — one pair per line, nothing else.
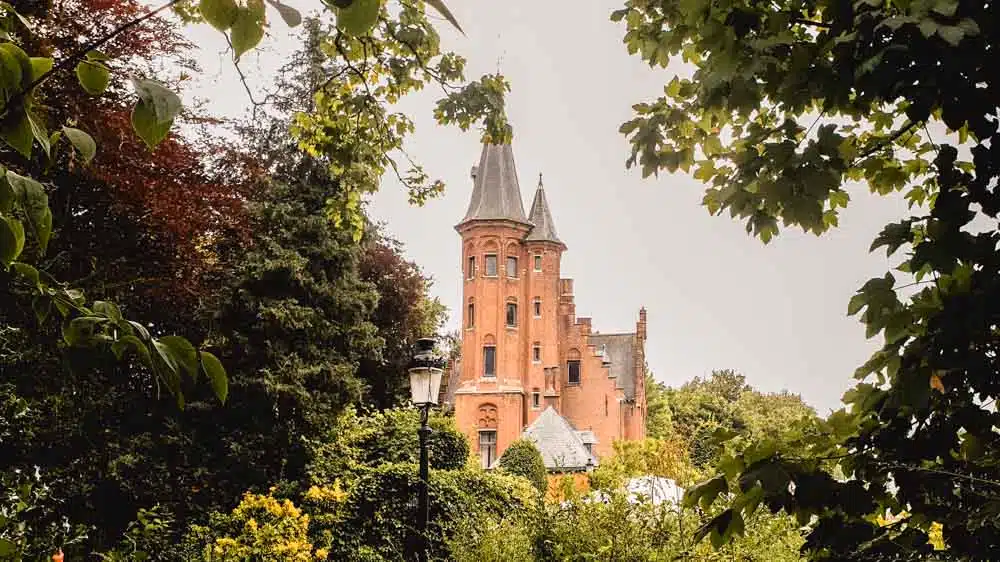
641, 326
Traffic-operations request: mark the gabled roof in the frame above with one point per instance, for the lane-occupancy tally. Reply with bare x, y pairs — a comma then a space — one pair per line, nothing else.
619, 350
496, 194
541, 217
561, 446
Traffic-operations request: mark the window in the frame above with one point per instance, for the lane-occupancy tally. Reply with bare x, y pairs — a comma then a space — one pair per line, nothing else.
589, 448
512, 267
487, 447
512, 315
537, 305
471, 268
573, 368
471, 322
491, 265
538, 263
490, 361
536, 400
536, 353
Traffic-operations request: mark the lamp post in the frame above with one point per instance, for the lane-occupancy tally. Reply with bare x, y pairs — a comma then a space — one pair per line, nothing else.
425, 370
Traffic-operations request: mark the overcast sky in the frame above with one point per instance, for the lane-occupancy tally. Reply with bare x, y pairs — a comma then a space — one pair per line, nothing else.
716, 297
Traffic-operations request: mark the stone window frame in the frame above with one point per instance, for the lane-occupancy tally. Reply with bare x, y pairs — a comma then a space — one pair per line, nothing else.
511, 302
489, 343
536, 399
536, 307
573, 359
538, 263
536, 353
486, 265
470, 310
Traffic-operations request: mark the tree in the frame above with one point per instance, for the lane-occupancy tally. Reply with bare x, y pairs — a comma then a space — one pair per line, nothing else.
522, 458
788, 102
658, 422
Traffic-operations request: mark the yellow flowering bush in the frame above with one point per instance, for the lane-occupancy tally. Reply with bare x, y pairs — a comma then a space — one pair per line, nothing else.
263, 528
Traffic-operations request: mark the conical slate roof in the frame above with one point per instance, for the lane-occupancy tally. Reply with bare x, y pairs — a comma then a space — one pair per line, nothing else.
541, 217
496, 194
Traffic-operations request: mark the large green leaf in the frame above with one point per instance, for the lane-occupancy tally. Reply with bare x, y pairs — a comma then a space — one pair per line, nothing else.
444, 11
165, 103
82, 331
83, 142
291, 16
36, 205
16, 131
93, 76
216, 374
134, 345
183, 353
220, 14
248, 29
11, 240
39, 133
10, 71
359, 18
7, 196
144, 121
15, 53
40, 66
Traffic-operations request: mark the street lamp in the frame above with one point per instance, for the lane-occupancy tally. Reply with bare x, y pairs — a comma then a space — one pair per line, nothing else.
425, 370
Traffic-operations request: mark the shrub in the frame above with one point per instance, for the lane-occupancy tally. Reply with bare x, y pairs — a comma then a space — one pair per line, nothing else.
377, 517
259, 528
361, 442
522, 458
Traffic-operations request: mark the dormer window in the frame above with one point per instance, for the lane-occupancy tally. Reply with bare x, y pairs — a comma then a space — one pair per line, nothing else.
491, 265
512, 267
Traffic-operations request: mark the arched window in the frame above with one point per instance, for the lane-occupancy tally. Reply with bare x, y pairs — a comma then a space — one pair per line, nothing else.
573, 367
511, 313
489, 356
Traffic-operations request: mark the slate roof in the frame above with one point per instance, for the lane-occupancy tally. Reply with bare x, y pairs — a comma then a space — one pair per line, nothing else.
541, 217
561, 446
620, 351
496, 194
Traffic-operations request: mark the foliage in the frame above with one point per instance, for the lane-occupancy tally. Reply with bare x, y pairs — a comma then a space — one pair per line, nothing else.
702, 409
357, 443
659, 424
491, 540
522, 458
259, 528
30, 524
880, 76
145, 539
405, 312
664, 458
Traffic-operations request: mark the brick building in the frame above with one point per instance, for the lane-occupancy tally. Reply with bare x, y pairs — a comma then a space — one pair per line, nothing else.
528, 364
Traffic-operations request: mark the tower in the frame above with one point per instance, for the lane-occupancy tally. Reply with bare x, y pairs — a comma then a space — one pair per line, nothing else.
510, 265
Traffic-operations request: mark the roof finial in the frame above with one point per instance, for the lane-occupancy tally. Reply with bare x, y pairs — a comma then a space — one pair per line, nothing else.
500, 56
539, 179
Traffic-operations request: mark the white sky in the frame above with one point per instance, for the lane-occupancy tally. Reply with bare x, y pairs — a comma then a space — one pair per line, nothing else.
716, 297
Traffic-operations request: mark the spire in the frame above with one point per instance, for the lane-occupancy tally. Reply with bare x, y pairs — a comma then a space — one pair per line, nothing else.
496, 194
541, 217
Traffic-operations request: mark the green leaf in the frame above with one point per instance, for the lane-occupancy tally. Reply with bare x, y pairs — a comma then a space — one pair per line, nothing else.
82, 331
140, 329
291, 16
856, 303
444, 11
136, 346
359, 18
93, 76
95, 55
11, 240
165, 103
40, 66
7, 196
108, 309
10, 71
16, 131
28, 272
184, 354
146, 126
38, 131
220, 14
8, 549
216, 375
83, 143
36, 205
248, 29
42, 306
705, 492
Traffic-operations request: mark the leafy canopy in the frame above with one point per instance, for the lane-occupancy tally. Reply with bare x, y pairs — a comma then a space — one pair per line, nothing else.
789, 101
